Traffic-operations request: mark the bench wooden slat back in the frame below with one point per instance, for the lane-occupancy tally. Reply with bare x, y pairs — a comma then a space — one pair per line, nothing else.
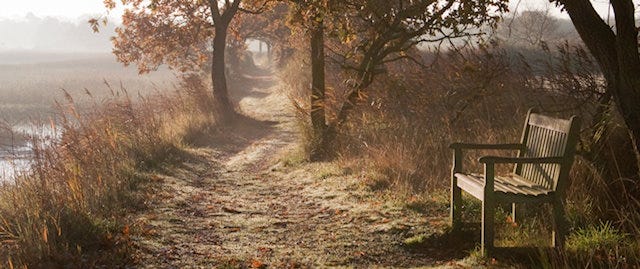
548, 137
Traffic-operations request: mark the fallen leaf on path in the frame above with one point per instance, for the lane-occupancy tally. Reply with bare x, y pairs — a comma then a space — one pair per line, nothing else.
265, 250
257, 264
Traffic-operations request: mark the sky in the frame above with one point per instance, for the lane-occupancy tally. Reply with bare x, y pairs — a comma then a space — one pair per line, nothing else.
601, 7
72, 9
62, 9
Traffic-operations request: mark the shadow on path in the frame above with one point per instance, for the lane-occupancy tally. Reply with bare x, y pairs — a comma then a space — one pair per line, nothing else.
255, 84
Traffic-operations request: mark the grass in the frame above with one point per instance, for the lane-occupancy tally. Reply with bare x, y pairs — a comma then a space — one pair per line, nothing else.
415, 240
70, 209
599, 238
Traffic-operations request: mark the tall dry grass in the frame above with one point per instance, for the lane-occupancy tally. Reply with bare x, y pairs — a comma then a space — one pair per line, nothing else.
399, 137
482, 96
412, 114
70, 209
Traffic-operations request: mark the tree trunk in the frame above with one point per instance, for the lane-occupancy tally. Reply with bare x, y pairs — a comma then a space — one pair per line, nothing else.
627, 96
318, 121
616, 54
628, 103
218, 73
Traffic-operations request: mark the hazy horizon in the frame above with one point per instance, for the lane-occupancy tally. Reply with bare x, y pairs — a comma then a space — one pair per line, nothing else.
60, 9
48, 34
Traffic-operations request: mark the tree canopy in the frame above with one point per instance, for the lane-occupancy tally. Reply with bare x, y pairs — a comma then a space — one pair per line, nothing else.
361, 35
177, 33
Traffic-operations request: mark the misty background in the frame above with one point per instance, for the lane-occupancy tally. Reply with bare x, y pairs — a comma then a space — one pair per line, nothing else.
42, 57
53, 37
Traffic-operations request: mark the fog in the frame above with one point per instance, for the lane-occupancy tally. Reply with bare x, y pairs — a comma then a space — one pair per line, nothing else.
49, 34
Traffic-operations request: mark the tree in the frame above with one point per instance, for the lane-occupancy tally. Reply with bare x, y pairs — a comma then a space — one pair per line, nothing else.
318, 120
221, 18
175, 32
376, 32
366, 34
310, 15
531, 28
616, 52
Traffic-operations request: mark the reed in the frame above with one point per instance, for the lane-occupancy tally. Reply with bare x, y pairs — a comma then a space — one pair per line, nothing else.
69, 210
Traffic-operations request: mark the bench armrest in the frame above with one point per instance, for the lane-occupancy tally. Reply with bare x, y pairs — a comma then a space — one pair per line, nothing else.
498, 159
514, 146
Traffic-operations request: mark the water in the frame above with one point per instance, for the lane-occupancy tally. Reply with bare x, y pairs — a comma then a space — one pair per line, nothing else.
16, 159
11, 166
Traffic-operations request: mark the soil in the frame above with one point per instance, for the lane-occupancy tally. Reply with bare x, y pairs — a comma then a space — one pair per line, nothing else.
237, 203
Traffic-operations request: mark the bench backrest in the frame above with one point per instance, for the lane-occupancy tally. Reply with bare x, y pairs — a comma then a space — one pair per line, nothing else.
548, 137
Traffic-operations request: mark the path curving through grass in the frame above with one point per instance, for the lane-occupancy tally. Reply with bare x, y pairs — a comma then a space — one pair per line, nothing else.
236, 204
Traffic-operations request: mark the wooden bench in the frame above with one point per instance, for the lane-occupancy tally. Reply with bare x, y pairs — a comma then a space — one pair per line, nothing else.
546, 153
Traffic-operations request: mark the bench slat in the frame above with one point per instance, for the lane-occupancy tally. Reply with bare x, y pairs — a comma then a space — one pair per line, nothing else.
546, 122
543, 143
516, 180
511, 184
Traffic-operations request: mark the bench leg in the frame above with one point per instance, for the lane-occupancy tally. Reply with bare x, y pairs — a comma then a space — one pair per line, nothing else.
456, 205
456, 193
513, 212
488, 210
559, 223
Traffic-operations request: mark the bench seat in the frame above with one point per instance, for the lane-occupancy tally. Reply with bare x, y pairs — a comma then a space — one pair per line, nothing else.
511, 186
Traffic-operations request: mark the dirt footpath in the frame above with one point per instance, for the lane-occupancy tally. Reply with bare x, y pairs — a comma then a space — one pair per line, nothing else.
235, 204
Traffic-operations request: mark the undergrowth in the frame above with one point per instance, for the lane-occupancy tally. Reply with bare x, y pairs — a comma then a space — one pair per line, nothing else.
400, 132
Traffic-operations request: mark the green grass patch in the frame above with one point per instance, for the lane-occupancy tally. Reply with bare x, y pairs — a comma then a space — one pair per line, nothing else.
603, 238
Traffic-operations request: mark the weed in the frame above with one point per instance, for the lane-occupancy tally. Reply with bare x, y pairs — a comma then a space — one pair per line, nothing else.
602, 239
415, 240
